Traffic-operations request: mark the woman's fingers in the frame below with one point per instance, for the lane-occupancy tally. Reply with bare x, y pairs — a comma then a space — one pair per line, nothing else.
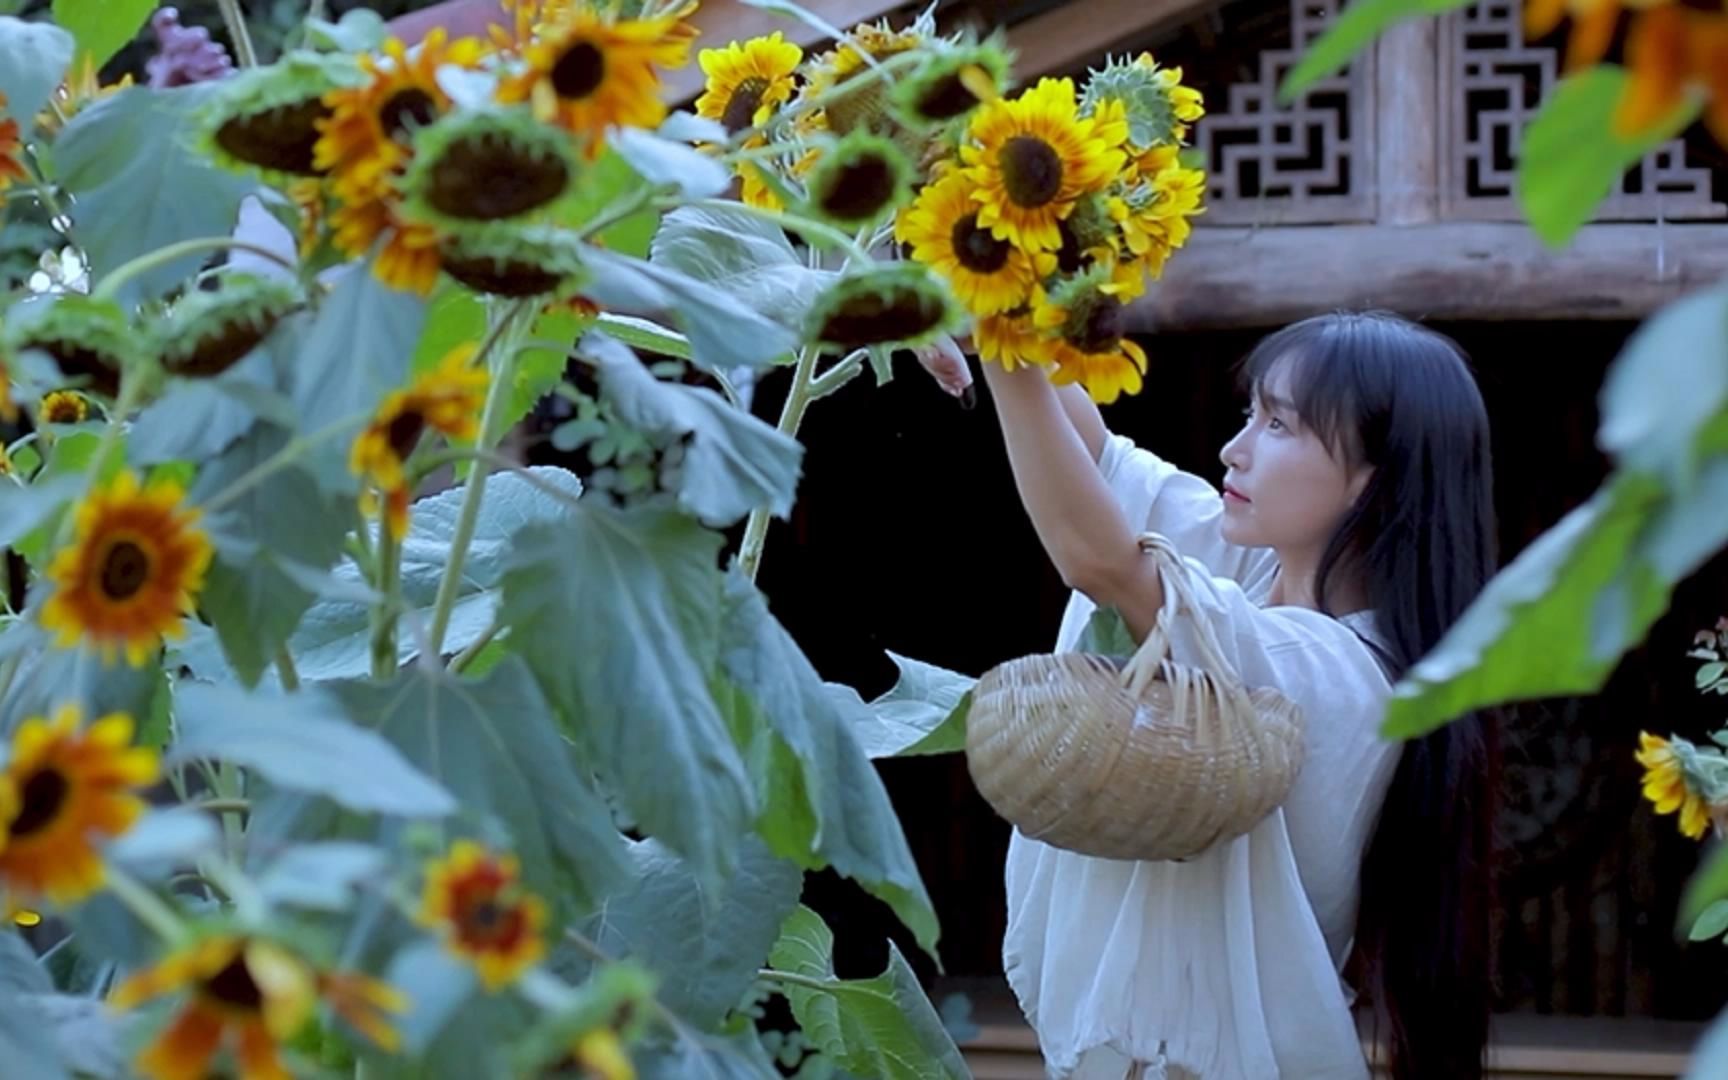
946, 364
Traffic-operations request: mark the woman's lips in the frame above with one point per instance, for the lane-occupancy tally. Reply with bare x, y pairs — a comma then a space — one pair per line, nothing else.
1232, 493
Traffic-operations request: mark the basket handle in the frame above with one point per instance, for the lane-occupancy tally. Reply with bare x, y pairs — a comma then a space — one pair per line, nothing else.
1148, 660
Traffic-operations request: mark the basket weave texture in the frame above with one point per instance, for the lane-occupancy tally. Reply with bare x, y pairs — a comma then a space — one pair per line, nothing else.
1149, 760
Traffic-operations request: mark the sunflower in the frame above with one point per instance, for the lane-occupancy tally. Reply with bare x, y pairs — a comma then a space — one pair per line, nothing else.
858, 180
476, 900
1154, 215
81, 89
748, 81
1667, 787
63, 407
1593, 25
11, 150
252, 994
989, 274
587, 74
1013, 340
136, 562
867, 106
211, 330
64, 785
447, 399
1033, 156
1670, 53
951, 84
1084, 321
408, 259
754, 190
369, 133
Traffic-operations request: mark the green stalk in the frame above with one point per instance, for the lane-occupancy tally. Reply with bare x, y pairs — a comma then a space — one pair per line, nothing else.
389, 585
150, 909
242, 38
150, 260
791, 416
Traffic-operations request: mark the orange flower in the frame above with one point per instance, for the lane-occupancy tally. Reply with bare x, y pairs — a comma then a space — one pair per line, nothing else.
11, 148
1670, 53
1593, 24
475, 898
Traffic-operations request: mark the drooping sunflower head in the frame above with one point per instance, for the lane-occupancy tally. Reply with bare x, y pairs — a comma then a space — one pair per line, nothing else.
211, 330
447, 399
866, 106
476, 900
748, 80
858, 180
586, 73
370, 130
509, 260
89, 340
268, 119
66, 788
63, 407
1158, 108
893, 304
134, 567
487, 165
951, 84
988, 274
1013, 340
1031, 157
1668, 785
1086, 321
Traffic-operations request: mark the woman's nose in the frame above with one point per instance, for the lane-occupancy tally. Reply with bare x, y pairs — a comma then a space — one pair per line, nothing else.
1234, 454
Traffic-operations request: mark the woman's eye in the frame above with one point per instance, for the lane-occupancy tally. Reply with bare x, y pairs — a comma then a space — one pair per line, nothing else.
1275, 424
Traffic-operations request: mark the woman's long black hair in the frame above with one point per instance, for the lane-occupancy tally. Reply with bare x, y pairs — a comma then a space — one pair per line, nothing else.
1385, 392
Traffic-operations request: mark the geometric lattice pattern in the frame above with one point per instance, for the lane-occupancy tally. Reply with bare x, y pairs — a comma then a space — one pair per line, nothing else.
1491, 84
1306, 163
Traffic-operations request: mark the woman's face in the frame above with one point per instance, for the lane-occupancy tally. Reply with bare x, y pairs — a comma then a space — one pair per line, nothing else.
1283, 489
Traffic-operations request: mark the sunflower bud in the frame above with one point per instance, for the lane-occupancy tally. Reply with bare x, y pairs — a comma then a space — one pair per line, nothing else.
858, 180
268, 119
894, 304
506, 260
1159, 108
209, 332
488, 166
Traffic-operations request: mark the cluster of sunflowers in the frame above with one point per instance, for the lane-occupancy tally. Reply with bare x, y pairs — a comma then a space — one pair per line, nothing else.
1680, 776
1046, 212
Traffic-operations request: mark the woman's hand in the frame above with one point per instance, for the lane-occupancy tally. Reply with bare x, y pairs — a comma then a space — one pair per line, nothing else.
946, 364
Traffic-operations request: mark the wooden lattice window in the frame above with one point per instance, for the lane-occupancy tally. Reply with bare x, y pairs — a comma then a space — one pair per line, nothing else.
1491, 83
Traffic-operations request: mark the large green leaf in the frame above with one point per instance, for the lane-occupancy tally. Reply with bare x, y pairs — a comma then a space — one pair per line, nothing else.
857, 832
454, 316
34, 58
25, 507
493, 743
1710, 1057
599, 186
733, 462
1361, 22
139, 185
923, 713
102, 27
541, 368
1572, 157
705, 945
268, 541
50, 677
618, 613
706, 1057
1669, 383
883, 1027
745, 257
304, 742
723, 333
196, 420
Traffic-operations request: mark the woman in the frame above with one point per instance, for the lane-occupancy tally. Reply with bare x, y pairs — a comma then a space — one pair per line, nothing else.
1354, 526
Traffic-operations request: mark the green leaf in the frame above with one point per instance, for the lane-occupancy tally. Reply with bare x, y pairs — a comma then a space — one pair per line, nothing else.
86, 1033
1667, 385
1712, 922
27, 1044
1709, 673
102, 27
454, 316
618, 613
661, 161
857, 831
1106, 634
929, 704
304, 742
441, 983
1709, 884
733, 462
322, 876
356, 351
267, 541
883, 1027
138, 185
642, 334
51, 677
538, 370
34, 59
1537, 629
706, 945
360, 30
1360, 23
1710, 1057
1572, 157
707, 1057
164, 840
723, 333
494, 745
745, 257
601, 186
23, 507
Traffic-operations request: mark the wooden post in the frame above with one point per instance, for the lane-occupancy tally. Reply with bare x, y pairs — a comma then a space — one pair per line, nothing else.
1407, 123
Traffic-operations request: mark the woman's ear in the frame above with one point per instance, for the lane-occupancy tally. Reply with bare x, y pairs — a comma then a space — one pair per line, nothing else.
1358, 482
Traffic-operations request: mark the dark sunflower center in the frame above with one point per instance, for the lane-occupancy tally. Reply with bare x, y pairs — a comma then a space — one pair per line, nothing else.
489, 176
220, 349
500, 277
407, 111
124, 571
280, 138
1097, 327
872, 319
233, 985
741, 107
1070, 259
977, 250
860, 190
580, 71
1031, 171
946, 98
42, 796
89, 366
63, 411
404, 433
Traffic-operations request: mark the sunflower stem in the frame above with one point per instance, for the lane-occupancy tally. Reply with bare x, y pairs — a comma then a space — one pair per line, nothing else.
384, 615
286, 670
150, 909
228, 791
280, 460
638, 201
237, 32
460, 662
150, 260
497, 400
789, 978
838, 375
791, 416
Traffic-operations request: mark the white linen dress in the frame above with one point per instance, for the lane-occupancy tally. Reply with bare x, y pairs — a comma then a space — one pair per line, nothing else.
1226, 966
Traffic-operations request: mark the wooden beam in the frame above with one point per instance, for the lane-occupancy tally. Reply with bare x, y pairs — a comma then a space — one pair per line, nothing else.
725, 21
1232, 277
1084, 30
1407, 122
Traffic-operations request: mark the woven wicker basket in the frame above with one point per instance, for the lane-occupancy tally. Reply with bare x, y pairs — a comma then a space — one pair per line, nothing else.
1148, 760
